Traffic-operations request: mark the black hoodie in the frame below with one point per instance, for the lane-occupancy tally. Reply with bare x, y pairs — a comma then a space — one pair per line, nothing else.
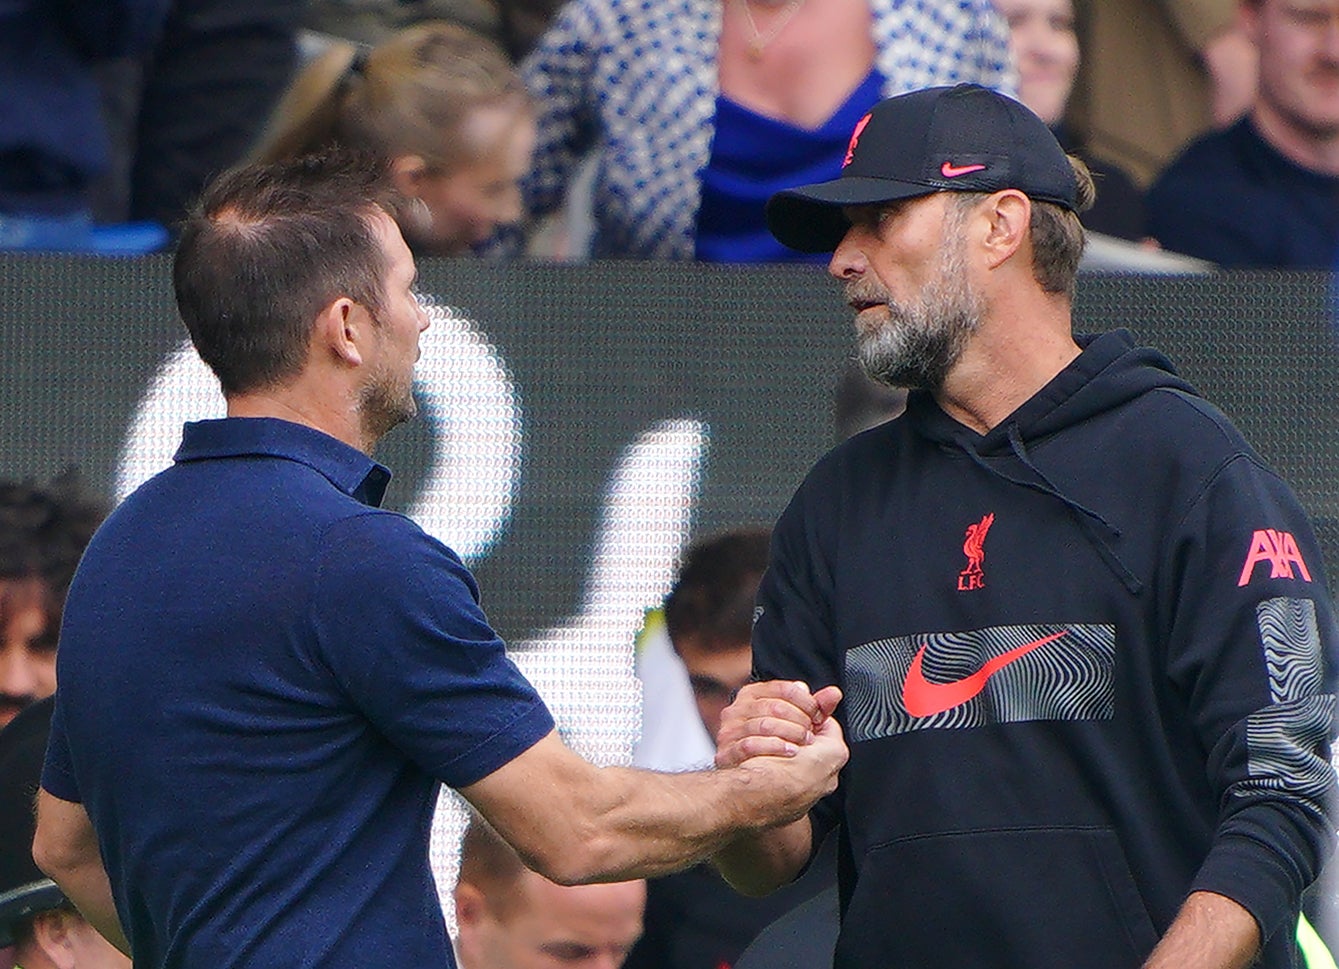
1087, 664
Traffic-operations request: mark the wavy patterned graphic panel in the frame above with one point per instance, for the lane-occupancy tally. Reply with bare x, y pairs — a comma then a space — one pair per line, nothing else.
1286, 739
1291, 640
1285, 743
958, 680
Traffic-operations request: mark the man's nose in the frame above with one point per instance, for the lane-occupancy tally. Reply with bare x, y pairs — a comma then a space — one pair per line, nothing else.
848, 259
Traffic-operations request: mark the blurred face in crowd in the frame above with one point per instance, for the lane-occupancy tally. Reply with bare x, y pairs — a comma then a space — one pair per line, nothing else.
541, 925
1298, 42
1046, 49
65, 940
467, 203
27, 652
388, 397
716, 672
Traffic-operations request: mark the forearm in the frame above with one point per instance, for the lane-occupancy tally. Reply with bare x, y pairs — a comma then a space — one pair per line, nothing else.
673, 820
575, 823
1210, 932
757, 863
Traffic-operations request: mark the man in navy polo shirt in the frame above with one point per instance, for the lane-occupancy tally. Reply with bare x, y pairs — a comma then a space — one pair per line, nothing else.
264, 677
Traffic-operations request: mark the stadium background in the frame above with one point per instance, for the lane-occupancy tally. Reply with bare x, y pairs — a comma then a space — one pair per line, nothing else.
580, 423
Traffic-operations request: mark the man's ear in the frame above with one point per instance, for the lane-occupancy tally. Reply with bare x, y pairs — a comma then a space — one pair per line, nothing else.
342, 328
1009, 215
470, 904
51, 934
407, 171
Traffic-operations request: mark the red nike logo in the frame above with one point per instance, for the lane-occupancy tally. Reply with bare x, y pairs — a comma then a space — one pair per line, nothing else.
924, 699
950, 170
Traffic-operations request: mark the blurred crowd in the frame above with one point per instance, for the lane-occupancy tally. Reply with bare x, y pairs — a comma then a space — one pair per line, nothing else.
631, 129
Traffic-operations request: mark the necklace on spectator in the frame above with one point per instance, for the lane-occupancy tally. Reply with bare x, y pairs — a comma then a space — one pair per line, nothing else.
759, 41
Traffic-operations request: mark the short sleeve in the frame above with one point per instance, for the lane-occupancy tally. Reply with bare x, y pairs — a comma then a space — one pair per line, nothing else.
57, 769
399, 625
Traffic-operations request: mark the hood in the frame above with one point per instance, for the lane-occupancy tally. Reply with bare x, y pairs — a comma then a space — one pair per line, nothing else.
1110, 371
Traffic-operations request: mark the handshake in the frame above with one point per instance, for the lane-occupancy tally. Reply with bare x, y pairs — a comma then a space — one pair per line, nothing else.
786, 735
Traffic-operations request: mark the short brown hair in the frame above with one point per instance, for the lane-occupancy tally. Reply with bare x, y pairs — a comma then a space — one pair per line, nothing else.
267, 247
44, 530
1058, 236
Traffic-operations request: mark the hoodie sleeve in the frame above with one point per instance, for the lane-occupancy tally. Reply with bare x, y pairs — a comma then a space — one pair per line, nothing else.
792, 629
1252, 651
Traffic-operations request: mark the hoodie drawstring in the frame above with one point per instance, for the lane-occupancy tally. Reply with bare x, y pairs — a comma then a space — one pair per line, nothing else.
1088, 519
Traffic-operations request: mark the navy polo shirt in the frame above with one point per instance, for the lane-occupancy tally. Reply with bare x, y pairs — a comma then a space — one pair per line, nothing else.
263, 678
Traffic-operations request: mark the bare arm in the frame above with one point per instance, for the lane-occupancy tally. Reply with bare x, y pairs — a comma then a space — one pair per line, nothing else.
66, 848
574, 822
761, 862
1210, 932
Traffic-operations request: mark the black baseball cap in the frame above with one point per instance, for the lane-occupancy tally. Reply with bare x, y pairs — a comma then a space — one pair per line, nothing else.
965, 138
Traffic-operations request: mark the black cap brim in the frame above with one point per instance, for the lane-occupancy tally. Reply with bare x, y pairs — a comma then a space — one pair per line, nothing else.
23, 903
810, 218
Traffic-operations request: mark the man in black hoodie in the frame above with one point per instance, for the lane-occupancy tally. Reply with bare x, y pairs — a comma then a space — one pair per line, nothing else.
1081, 630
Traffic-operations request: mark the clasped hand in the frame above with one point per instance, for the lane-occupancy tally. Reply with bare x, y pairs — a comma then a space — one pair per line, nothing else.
776, 719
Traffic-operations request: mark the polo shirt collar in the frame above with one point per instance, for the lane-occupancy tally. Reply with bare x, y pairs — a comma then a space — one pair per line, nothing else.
347, 468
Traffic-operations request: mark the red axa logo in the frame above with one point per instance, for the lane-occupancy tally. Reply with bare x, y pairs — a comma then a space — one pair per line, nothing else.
855, 138
974, 548
1280, 550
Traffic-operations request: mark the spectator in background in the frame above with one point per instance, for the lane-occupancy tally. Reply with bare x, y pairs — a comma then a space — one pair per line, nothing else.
443, 105
509, 917
193, 105
698, 109
694, 920
43, 531
514, 25
1045, 46
53, 142
1265, 192
1155, 74
45, 930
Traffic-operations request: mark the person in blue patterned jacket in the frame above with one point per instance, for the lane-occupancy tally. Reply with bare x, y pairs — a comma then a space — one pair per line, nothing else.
698, 110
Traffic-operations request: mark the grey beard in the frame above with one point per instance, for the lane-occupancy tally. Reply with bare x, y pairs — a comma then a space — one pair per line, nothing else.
916, 349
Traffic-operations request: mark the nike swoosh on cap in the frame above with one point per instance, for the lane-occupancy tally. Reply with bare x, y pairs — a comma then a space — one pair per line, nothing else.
950, 170
921, 698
